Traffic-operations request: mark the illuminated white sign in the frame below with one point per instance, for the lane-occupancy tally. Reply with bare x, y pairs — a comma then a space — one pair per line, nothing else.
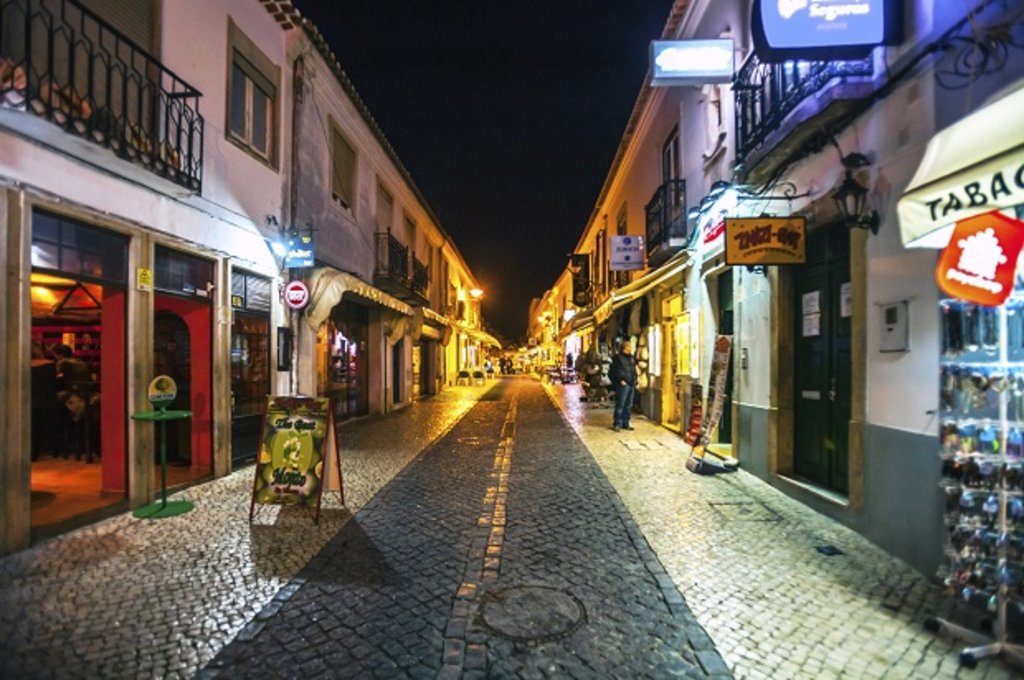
627, 253
691, 62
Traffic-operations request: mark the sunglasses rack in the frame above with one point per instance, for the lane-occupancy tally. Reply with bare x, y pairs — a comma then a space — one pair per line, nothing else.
981, 405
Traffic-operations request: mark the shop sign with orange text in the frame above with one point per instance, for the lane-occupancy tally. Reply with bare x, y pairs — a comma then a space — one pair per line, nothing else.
978, 264
765, 240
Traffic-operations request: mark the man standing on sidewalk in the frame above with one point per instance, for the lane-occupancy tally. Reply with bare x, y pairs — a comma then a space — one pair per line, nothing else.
622, 374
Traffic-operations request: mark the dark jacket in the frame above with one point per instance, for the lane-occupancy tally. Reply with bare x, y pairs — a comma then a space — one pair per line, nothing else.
623, 368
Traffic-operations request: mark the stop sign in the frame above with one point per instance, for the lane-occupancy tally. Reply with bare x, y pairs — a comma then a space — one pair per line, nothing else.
296, 294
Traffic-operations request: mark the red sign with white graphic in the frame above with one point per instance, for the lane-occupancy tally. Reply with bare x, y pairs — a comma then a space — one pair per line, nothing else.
296, 294
978, 264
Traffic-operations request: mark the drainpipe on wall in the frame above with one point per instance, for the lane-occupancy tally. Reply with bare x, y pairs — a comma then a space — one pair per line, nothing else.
298, 84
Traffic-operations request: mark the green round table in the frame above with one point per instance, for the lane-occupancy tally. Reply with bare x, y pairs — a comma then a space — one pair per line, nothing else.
162, 508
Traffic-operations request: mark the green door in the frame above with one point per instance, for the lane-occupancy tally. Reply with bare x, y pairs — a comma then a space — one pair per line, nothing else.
823, 362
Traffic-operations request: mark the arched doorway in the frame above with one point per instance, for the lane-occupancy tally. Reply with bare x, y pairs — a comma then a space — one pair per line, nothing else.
172, 356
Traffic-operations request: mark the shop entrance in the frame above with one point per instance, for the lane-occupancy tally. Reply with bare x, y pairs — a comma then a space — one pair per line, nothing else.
724, 312
250, 361
822, 361
78, 407
183, 349
342, 367
418, 388
396, 371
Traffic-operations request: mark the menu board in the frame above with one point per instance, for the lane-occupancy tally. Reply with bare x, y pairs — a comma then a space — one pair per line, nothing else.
295, 460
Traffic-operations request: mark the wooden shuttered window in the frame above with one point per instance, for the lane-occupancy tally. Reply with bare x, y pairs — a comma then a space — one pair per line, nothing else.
343, 169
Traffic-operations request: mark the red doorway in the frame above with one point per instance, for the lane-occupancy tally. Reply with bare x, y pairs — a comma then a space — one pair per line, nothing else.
183, 348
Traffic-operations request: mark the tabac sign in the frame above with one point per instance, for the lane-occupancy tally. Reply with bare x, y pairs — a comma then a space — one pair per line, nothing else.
765, 240
979, 263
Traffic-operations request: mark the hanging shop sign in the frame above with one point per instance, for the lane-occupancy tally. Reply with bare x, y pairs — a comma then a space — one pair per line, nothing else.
765, 240
300, 252
298, 454
579, 267
823, 29
627, 253
296, 294
979, 263
691, 62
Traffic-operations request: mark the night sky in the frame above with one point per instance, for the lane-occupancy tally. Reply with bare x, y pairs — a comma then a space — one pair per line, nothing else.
507, 116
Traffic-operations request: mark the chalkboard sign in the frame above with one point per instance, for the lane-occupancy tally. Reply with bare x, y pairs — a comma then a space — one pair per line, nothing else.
295, 459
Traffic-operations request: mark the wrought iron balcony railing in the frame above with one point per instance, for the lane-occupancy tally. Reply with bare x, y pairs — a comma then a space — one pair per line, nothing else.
666, 216
767, 93
62, 62
392, 258
420, 277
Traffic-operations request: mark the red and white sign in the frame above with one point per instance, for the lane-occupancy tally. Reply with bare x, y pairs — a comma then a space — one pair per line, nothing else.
978, 264
296, 294
714, 233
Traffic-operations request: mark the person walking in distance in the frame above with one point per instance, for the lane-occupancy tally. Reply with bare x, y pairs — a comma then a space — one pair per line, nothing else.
622, 374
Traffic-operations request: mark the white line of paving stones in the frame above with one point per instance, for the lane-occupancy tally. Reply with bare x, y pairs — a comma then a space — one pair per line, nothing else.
135, 598
773, 606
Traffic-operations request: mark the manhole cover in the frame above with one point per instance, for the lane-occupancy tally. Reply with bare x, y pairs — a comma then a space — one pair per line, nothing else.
532, 613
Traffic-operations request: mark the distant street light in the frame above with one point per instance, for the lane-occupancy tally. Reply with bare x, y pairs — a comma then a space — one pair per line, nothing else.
476, 293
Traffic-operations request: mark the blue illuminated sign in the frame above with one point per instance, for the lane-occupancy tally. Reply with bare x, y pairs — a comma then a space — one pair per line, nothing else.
691, 62
300, 252
823, 29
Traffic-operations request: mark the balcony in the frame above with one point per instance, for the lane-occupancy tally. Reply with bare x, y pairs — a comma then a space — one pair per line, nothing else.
61, 63
666, 222
783, 110
420, 277
391, 271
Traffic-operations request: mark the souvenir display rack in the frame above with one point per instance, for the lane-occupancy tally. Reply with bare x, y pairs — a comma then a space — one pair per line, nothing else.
981, 405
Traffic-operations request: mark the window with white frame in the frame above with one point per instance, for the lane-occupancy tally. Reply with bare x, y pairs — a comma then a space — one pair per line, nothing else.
253, 85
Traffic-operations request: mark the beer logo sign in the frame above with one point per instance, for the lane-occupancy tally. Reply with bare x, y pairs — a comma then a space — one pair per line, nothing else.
162, 390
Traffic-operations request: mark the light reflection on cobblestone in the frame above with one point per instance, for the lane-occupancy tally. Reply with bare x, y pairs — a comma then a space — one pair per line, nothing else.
773, 606
134, 598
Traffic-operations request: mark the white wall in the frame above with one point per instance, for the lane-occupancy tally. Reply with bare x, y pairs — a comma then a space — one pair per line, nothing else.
194, 46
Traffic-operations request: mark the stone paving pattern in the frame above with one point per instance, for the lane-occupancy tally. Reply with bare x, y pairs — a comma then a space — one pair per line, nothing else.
131, 598
135, 598
376, 601
743, 555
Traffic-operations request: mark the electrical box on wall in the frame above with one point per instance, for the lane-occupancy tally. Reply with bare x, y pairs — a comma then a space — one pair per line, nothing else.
895, 327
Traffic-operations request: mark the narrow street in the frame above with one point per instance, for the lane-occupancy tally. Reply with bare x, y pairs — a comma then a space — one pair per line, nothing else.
503, 546
495, 531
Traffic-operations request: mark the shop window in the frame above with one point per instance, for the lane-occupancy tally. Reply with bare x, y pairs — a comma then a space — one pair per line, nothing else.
252, 98
250, 292
177, 272
66, 245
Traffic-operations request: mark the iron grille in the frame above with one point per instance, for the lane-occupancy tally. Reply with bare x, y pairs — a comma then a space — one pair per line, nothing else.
666, 214
61, 62
767, 93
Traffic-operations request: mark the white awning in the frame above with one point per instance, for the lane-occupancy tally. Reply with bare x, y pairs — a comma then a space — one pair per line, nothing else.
326, 286
480, 336
974, 166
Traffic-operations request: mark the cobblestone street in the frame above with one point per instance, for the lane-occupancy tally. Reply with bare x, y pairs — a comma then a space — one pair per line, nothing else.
500, 531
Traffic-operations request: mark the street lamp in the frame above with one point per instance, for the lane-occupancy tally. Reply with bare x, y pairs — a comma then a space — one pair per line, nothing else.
851, 197
476, 293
